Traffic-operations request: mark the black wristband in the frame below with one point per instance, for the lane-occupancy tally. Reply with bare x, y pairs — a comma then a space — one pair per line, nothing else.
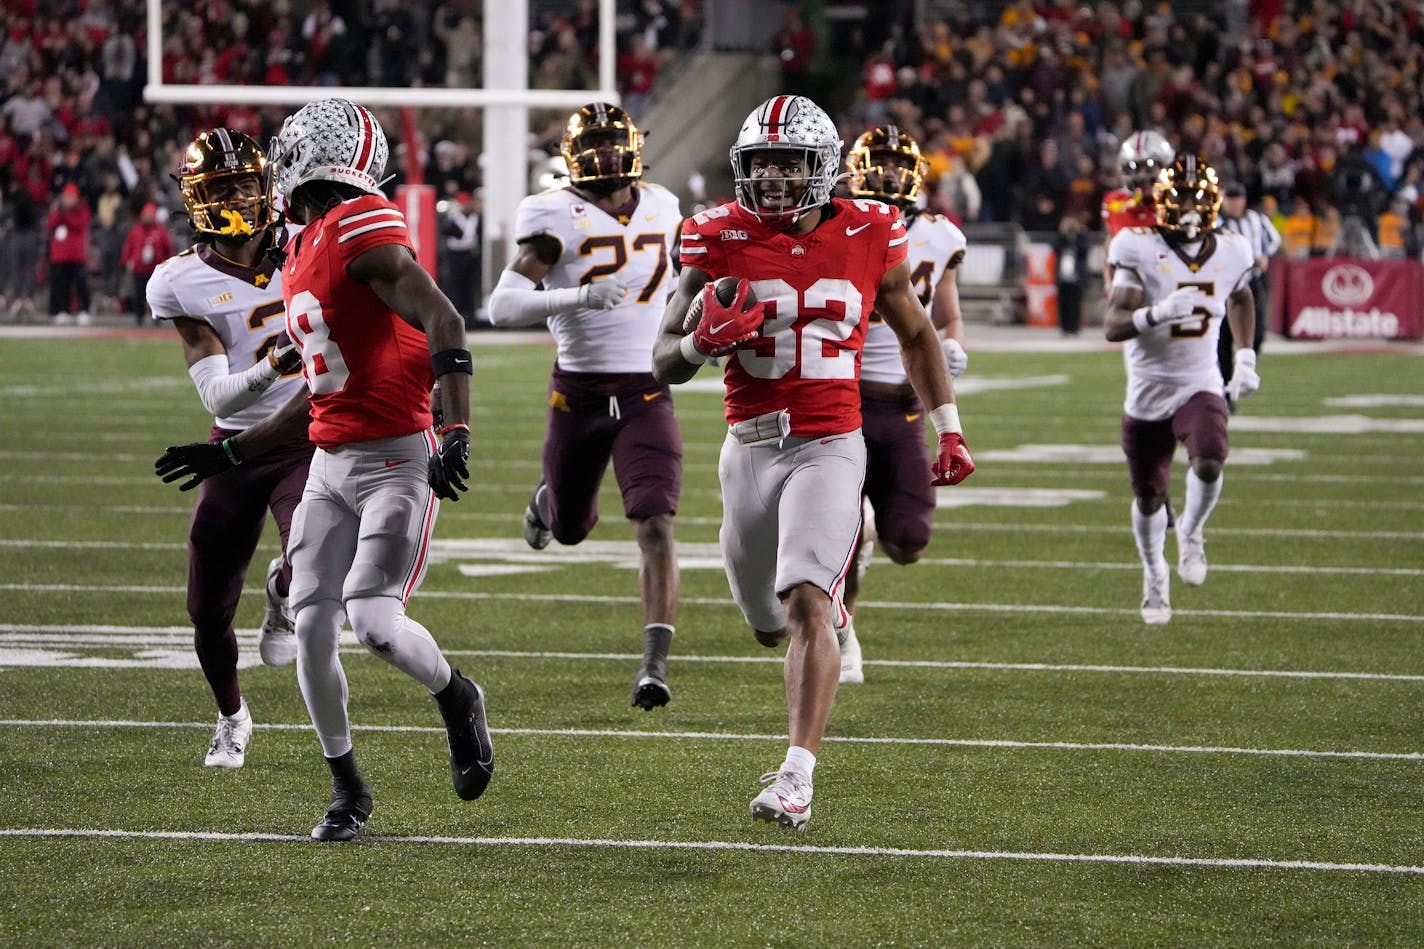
452, 360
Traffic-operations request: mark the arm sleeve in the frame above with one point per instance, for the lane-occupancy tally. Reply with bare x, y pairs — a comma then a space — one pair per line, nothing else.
224, 393
517, 301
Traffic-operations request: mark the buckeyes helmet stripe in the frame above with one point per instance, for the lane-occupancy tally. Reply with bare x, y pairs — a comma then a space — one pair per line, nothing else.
366, 148
776, 117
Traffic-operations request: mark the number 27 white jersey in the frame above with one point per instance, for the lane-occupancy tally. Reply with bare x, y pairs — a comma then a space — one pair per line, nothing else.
593, 244
1168, 364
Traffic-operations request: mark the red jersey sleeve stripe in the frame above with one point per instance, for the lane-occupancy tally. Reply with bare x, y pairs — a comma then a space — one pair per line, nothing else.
367, 215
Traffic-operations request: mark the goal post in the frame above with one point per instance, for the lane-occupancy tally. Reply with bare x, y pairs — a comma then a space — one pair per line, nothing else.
506, 101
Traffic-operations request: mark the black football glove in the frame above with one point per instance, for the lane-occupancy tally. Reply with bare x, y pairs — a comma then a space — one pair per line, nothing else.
197, 461
448, 468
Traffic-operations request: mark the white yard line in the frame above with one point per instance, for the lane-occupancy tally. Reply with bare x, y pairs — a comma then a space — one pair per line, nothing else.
724, 602
610, 600
59, 635
734, 736
1233, 863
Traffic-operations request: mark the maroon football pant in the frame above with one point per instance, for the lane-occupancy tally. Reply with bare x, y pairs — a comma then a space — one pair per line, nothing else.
597, 417
222, 536
897, 469
1200, 424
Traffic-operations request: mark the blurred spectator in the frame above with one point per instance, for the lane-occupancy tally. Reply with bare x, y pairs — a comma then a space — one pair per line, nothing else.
148, 245
1397, 240
637, 72
458, 261
1298, 231
1071, 247
794, 45
68, 227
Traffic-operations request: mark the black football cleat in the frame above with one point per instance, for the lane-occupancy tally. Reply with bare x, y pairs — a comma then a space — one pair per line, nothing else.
650, 689
462, 705
349, 810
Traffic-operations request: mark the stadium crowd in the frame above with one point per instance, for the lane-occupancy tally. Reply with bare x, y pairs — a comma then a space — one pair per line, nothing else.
1315, 106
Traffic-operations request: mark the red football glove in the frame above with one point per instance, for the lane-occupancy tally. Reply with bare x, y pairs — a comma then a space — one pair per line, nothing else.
724, 328
953, 464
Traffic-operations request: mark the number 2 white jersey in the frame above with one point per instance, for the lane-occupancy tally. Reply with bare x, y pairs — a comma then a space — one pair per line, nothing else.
1168, 364
244, 307
935, 245
595, 244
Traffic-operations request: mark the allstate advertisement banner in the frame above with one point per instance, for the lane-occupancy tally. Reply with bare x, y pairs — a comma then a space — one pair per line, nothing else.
1339, 298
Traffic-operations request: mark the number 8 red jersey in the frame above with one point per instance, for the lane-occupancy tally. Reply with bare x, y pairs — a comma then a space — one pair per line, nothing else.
368, 369
819, 289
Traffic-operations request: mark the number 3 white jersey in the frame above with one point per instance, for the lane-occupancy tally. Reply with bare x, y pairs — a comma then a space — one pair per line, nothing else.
935, 246
244, 307
594, 244
1168, 364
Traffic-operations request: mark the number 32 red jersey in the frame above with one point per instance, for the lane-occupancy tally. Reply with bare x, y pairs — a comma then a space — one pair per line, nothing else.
368, 369
819, 289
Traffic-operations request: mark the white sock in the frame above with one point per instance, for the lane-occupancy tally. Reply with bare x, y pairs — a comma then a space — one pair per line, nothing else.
1151, 535
799, 759
1201, 498
241, 712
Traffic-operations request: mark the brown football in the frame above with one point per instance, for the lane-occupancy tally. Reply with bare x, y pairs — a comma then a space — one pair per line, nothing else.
726, 290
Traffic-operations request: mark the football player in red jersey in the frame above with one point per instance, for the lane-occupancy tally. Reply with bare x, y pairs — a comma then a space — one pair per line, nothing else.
593, 262
224, 297
1141, 158
793, 463
375, 332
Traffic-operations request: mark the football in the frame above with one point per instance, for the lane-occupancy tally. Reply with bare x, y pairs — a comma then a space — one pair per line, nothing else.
726, 290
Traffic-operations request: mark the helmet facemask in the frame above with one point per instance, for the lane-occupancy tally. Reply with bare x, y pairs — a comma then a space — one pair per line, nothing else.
1142, 157
886, 164
226, 184
1188, 198
602, 148
785, 160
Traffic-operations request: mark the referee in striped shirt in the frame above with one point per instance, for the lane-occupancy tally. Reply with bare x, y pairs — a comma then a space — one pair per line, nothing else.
1265, 241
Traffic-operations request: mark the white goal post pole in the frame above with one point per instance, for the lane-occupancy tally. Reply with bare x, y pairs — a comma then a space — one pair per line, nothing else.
506, 99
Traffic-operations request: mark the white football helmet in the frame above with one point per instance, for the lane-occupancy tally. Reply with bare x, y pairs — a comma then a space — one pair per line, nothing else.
328, 140
1142, 157
787, 124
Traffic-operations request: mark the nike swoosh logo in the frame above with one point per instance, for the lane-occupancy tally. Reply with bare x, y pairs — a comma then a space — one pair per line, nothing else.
392, 464
852, 231
793, 808
317, 240
720, 326
650, 396
911, 418
827, 441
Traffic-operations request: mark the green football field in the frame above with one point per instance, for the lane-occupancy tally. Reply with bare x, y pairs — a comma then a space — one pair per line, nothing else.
1027, 763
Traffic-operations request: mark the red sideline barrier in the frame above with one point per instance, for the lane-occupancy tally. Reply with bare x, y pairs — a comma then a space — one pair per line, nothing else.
1338, 298
417, 203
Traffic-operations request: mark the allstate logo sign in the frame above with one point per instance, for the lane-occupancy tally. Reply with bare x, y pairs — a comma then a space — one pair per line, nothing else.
1347, 285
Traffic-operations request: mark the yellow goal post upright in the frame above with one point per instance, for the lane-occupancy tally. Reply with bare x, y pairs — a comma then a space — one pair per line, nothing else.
506, 100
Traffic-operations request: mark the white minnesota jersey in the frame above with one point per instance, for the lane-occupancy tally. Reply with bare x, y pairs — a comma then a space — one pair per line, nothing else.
1170, 363
244, 307
595, 244
935, 246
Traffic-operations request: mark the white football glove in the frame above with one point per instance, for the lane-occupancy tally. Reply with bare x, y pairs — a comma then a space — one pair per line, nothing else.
1244, 378
956, 360
602, 294
1174, 308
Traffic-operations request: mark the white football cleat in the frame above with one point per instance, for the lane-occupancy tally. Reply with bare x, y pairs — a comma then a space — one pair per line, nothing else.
1191, 559
229, 745
277, 643
852, 672
785, 801
536, 530
1156, 606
